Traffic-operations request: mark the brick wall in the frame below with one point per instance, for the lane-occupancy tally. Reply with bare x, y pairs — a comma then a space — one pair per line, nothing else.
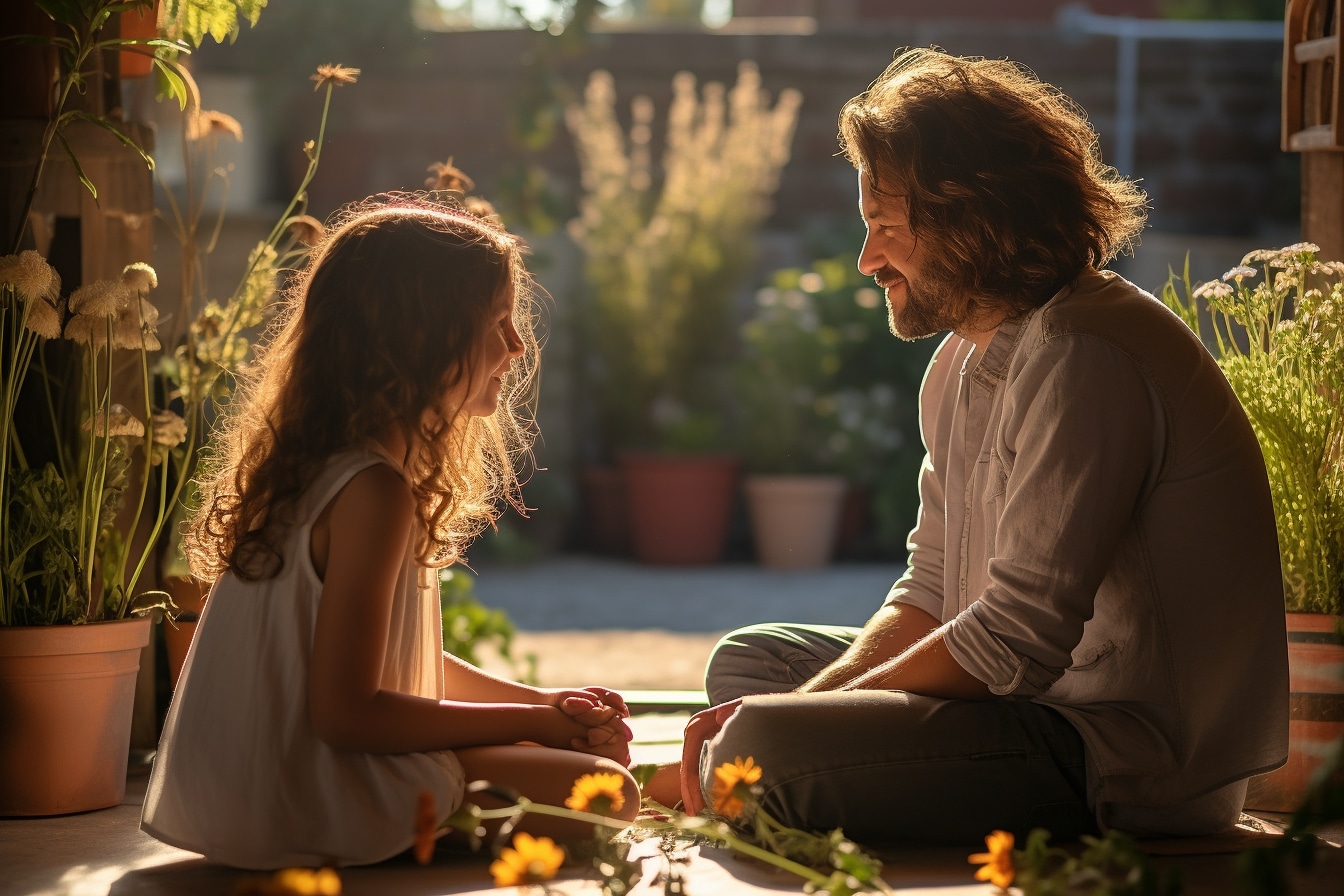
1206, 144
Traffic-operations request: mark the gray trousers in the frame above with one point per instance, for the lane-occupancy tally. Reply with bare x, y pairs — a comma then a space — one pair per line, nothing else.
886, 766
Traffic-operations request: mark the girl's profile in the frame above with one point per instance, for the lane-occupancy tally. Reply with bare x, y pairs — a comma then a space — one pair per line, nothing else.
379, 432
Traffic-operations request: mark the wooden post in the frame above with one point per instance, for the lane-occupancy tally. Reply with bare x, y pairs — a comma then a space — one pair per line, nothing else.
1313, 116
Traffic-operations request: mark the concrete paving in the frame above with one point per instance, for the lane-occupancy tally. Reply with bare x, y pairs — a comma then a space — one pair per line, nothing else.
597, 620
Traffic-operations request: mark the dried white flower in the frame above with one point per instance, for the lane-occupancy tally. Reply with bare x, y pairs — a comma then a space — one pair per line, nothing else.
43, 319
139, 277
169, 429
30, 275
87, 329
101, 298
1239, 273
114, 422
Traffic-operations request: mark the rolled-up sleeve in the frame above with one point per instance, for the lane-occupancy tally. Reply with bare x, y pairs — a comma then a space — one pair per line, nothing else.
1066, 469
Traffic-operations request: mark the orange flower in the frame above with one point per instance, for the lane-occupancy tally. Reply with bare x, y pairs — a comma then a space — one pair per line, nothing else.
530, 861
732, 786
426, 827
599, 793
998, 861
335, 75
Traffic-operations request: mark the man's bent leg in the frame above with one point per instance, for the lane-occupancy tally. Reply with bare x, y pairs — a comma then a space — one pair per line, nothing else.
893, 767
774, 658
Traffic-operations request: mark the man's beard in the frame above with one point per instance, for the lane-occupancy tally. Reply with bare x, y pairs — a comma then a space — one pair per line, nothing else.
926, 309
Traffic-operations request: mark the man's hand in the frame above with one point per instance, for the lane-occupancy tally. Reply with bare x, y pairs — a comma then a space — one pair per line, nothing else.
703, 726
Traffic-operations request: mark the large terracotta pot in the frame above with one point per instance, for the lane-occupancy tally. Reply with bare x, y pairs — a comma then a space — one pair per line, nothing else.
680, 506
606, 509
794, 519
66, 695
1315, 714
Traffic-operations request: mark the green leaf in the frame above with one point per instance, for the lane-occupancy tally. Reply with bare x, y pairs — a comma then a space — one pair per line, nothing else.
79, 169
177, 84
112, 129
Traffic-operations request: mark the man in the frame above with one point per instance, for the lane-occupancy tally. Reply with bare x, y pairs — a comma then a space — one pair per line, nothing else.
1090, 632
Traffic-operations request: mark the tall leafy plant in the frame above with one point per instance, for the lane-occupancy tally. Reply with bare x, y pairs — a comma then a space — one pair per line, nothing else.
1278, 334
666, 247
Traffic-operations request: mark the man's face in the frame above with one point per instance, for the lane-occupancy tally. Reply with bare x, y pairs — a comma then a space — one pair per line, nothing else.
893, 257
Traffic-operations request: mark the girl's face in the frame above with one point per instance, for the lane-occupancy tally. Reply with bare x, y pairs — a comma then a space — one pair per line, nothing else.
477, 395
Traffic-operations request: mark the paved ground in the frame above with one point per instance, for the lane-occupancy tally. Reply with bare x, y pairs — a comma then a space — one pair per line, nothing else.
594, 620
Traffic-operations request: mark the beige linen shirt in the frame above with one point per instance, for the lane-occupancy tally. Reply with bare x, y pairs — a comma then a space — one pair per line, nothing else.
1096, 534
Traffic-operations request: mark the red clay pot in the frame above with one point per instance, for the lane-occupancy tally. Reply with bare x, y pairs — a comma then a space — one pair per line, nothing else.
680, 506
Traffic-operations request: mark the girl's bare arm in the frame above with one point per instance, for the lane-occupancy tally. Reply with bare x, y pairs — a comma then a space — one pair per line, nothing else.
369, 523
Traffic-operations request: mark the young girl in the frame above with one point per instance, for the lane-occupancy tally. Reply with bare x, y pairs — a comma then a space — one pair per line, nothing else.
371, 444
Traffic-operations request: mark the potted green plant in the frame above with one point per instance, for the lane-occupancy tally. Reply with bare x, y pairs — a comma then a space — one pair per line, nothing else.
86, 443
826, 408
1277, 330
665, 250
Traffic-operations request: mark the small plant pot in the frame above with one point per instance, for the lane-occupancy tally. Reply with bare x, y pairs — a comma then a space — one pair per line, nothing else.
189, 595
794, 519
66, 698
680, 506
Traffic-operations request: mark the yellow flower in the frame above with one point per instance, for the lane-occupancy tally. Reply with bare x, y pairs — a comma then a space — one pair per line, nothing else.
530, 861
335, 75
426, 827
292, 882
998, 861
30, 275
732, 786
599, 793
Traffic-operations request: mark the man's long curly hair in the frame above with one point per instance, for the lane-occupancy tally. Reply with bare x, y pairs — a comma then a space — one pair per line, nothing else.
384, 320
1000, 174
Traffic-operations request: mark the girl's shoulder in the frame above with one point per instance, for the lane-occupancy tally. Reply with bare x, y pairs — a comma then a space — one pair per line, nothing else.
382, 474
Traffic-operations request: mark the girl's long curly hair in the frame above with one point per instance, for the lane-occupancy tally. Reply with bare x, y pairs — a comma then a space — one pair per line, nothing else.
1000, 173
384, 320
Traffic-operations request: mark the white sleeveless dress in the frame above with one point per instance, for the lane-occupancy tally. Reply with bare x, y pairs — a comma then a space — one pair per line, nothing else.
240, 775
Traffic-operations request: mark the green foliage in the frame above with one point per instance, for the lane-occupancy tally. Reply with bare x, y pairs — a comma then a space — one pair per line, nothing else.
1112, 865
468, 626
823, 386
665, 253
194, 19
1280, 342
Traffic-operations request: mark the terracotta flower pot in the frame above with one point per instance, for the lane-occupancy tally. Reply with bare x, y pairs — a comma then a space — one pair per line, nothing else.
680, 506
794, 519
189, 595
1315, 710
66, 696
606, 510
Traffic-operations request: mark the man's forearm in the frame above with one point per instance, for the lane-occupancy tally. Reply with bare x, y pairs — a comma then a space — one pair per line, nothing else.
890, 632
